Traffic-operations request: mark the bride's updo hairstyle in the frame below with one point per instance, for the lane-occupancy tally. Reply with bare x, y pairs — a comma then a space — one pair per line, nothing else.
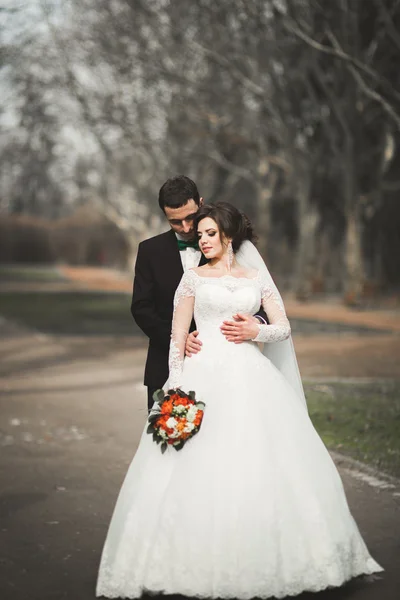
232, 223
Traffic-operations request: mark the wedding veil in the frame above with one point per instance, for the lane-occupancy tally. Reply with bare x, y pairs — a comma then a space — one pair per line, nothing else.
281, 354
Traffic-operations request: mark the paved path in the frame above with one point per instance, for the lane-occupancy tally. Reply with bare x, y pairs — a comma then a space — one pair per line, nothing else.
72, 411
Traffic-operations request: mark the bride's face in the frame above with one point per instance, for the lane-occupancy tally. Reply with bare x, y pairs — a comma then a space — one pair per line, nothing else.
209, 238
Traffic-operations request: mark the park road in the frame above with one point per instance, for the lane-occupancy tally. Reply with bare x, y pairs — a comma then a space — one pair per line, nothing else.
72, 411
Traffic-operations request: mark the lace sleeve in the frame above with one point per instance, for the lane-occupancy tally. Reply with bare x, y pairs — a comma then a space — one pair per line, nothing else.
182, 317
278, 328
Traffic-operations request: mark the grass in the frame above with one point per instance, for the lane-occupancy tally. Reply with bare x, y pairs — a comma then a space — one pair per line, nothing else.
76, 313
359, 420
30, 274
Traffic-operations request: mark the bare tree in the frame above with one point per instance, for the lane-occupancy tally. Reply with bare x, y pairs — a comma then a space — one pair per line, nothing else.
288, 109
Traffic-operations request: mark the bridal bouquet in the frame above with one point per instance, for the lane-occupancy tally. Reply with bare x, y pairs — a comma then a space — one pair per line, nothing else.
174, 418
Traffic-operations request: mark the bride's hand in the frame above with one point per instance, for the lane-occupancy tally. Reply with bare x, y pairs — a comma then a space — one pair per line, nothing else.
193, 344
244, 327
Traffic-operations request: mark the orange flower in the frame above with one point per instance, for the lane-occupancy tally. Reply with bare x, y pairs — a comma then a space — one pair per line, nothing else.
198, 418
166, 407
162, 424
182, 402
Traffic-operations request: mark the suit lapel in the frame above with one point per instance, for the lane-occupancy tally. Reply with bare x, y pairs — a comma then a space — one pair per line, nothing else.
173, 258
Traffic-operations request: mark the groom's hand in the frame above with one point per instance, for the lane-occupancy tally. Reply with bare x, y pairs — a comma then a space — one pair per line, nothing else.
242, 328
193, 344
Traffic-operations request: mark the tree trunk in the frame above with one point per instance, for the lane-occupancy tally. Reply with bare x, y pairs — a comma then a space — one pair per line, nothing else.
265, 186
263, 219
307, 225
353, 258
132, 243
353, 252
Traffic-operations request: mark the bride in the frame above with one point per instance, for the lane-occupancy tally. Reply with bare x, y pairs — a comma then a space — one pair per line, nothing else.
253, 505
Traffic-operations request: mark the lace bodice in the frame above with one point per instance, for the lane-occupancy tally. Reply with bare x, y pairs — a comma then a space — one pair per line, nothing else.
214, 299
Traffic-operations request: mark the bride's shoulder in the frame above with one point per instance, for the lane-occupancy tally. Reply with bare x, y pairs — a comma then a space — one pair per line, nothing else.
199, 270
246, 273
192, 275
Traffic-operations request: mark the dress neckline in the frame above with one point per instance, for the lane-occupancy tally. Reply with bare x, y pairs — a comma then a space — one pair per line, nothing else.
227, 276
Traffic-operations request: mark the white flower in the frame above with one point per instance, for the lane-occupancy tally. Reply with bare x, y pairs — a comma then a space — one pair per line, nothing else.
171, 423
191, 414
189, 427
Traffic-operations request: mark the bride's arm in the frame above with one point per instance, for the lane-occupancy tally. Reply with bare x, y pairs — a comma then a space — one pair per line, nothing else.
278, 328
181, 320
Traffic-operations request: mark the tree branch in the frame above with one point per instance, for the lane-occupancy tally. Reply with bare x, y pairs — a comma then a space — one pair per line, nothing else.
241, 172
368, 91
236, 73
338, 52
390, 26
375, 96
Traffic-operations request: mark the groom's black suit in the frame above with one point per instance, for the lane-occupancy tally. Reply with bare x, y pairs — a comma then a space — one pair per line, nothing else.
158, 272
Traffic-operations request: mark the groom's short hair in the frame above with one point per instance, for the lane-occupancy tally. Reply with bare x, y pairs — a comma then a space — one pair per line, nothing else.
177, 191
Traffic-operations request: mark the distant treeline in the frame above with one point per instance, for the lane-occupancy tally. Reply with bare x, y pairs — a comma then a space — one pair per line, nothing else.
290, 109
81, 239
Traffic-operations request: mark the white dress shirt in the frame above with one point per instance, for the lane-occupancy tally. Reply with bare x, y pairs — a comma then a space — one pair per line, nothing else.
190, 257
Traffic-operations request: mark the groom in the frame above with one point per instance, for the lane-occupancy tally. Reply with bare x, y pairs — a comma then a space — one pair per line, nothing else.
160, 264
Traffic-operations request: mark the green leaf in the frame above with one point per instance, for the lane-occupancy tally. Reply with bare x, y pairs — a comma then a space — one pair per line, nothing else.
192, 395
150, 429
163, 447
200, 405
180, 445
153, 417
158, 395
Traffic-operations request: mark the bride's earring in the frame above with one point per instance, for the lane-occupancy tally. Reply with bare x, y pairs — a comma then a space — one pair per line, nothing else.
230, 256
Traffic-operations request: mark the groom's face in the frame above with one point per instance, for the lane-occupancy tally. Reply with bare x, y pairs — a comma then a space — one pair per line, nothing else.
181, 218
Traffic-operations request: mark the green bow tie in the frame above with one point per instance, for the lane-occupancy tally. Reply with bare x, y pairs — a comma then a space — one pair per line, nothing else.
182, 245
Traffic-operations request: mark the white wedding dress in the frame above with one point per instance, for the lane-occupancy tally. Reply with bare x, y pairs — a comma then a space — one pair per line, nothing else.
253, 505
